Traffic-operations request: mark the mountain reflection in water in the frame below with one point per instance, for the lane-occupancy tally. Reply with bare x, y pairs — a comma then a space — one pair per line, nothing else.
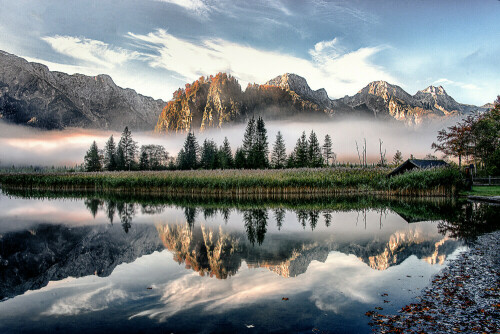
45, 239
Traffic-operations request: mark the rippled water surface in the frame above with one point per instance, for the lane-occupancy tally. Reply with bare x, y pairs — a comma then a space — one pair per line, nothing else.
85, 264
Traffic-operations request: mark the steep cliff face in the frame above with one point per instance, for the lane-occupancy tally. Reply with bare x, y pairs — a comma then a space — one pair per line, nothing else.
289, 95
224, 102
215, 101
32, 95
185, 110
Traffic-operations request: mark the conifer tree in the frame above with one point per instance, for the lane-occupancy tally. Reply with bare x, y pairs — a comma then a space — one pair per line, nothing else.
278, 156
120, 158
260, 146
248, 143
239, 158
398, 158
301, 152
314, 151
209, 155
226, 155
92, 160
188, 157
129, 148
110, 155
328, 154
290, 162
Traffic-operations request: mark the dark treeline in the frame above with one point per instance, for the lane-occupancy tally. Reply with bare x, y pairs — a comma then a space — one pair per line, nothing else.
254, 153
125, 155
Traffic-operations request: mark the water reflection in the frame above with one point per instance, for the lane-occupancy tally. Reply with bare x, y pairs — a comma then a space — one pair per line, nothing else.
31, 258
340, 253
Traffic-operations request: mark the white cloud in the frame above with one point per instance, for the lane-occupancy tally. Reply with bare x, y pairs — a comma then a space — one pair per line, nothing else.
338, 72
463, 85
92, 301
330, 66
197, 6
90, 51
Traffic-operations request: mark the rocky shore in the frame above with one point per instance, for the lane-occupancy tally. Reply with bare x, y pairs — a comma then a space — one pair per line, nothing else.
463, 298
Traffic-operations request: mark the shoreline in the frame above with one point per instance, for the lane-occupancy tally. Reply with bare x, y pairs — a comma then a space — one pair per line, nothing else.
464, 297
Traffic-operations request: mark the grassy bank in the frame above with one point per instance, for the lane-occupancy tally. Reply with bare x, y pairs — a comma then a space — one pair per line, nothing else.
484, 191
326, 181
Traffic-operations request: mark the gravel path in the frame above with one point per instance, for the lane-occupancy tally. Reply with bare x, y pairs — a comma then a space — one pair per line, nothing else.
464, 297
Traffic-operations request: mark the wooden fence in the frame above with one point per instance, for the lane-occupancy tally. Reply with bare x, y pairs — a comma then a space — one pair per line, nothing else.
486, 181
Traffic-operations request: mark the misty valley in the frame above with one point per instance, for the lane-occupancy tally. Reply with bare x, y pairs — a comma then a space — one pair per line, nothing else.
78, 261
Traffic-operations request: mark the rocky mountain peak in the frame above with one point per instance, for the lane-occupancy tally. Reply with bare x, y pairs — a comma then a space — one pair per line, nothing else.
290, 81
382, 88
295, 83
434, 90
436, 98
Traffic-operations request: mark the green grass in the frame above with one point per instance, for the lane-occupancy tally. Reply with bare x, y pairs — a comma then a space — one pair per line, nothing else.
332, 181
484, 191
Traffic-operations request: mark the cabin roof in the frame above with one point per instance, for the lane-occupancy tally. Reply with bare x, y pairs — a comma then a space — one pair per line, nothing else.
418, 163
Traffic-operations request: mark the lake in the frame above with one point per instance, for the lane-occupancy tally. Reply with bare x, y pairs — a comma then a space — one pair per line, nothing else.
184, 265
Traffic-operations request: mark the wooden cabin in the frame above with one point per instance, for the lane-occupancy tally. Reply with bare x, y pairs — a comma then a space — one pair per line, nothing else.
411, 164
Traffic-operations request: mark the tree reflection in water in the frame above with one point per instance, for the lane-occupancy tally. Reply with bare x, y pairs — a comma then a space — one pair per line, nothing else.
471, 221
126, 212
462, 220
255, 225
327, 216
190, 214
219, 251
110, 210
279, 216
93, 205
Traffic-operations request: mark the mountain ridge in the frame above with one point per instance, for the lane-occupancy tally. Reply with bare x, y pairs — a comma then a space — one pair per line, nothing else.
289, 95
31, 94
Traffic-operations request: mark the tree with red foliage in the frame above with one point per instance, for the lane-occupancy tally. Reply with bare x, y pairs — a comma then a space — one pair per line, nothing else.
476, 138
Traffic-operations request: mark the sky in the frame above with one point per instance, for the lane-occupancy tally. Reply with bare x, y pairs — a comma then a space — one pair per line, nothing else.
156, 46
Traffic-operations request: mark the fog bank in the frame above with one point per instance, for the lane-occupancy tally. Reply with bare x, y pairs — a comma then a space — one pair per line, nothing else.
22, 146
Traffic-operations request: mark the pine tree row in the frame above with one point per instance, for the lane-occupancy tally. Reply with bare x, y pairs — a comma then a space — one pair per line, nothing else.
253, 154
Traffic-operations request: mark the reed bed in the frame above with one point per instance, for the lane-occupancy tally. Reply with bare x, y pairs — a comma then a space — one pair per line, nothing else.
235, 183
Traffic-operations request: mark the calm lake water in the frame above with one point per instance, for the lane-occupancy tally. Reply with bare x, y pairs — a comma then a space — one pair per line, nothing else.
189, 266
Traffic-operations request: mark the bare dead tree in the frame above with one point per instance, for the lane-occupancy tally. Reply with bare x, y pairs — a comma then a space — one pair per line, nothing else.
357, 149
383, 161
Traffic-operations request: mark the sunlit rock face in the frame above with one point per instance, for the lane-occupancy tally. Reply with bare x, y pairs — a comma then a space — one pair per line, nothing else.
216, 101
428, 247
388, 101
32, 95
213, 252
207, 251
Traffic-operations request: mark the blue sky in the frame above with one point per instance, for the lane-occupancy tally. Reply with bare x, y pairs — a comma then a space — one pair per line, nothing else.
156, 46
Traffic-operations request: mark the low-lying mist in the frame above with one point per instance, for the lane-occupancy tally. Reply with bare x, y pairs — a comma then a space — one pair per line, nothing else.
23, 146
